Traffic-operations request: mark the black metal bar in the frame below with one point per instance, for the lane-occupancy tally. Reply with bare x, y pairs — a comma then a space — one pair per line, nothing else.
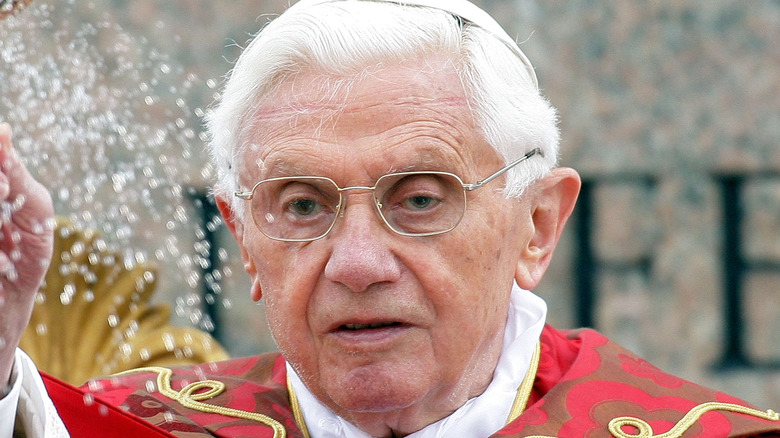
209, 215
734, 355
585, 269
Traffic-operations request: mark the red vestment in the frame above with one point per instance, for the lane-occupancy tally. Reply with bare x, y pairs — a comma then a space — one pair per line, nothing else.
584, 382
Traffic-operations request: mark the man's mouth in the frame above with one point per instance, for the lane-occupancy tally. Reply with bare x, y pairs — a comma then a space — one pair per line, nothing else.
375, 325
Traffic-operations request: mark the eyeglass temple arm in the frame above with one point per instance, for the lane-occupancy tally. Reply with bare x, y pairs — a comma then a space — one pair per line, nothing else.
480, 183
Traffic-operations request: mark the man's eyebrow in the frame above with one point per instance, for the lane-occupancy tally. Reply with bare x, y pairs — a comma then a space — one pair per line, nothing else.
430, 160
277, 167
426, 159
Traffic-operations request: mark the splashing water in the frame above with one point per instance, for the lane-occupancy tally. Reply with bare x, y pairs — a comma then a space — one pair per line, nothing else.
9, 7
104, 121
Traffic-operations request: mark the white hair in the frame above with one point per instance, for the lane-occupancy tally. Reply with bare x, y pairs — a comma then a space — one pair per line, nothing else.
344, 37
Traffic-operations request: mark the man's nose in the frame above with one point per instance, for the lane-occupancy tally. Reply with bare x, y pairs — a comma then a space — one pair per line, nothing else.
360, 255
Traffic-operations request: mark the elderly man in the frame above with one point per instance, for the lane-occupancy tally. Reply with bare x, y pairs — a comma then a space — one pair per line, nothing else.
388, 170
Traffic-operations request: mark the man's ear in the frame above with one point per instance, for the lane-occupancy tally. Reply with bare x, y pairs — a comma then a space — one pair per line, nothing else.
236, 227
552, 200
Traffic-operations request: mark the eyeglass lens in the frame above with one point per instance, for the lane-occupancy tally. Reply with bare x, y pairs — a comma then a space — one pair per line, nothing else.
305, 208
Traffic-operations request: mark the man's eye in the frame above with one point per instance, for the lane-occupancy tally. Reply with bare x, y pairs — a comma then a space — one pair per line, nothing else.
419, 202
304, 207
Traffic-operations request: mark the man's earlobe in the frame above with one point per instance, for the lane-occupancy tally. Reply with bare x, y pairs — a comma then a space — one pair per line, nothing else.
552, 204
256, 292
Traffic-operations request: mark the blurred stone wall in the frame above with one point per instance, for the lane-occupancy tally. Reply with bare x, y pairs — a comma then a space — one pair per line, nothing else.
681, 92
677, 92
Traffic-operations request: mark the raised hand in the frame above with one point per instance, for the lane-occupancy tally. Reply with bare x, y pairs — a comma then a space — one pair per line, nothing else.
26, 227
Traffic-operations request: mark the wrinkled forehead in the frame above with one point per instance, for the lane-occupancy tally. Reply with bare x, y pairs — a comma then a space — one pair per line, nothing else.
325, 96
405, 116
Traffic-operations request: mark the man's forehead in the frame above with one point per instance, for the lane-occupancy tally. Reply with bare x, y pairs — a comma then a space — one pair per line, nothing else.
405, 116
301, 109
403, 83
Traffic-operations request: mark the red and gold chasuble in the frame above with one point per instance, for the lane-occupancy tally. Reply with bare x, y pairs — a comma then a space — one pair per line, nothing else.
585, 386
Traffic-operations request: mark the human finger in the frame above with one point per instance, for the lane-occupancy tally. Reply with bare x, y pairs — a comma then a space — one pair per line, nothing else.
24, 197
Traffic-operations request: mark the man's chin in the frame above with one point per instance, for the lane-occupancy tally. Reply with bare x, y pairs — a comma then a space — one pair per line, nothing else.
376, 388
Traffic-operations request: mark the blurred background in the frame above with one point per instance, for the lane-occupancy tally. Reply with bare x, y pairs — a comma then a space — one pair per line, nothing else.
669, 109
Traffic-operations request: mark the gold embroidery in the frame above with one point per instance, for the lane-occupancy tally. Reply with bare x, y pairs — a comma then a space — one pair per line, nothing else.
188, 398
645, 431
524, 391
296, 409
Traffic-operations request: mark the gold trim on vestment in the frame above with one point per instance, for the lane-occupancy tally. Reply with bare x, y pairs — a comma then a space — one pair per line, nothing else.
644, 430
526, 386
188, 398
296, 409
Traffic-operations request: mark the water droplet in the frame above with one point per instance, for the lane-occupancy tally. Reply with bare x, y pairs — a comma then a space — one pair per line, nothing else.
65, 298
126, 349
12, 275
149, 276
19, 202
41, 329
168, 341
94, 385
90, 277
77, 248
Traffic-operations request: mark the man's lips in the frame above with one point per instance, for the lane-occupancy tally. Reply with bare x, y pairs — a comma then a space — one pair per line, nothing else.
367, 322
368, 326
368, 335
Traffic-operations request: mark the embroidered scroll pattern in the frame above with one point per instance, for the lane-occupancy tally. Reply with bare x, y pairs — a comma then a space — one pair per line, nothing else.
645, 431
191, 399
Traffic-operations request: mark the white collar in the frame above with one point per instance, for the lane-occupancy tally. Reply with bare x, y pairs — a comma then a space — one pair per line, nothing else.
480, 416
